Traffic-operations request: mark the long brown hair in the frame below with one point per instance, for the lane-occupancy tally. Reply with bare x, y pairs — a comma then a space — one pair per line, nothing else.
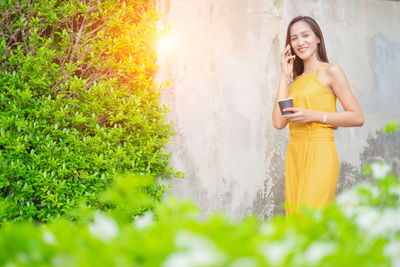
298, 65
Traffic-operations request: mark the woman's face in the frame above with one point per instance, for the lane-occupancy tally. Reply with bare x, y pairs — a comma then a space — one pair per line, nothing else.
303, 40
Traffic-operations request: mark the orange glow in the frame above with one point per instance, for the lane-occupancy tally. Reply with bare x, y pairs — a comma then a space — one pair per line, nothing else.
166, 42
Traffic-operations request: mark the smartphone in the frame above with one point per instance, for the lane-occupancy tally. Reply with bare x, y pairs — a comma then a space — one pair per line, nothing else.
290, 51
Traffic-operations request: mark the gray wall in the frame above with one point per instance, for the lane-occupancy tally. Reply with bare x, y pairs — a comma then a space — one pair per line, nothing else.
223, 65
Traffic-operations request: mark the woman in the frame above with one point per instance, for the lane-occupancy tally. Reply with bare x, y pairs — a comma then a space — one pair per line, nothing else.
312, 164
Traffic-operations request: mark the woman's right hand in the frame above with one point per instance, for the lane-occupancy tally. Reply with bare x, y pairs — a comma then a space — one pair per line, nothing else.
287, 61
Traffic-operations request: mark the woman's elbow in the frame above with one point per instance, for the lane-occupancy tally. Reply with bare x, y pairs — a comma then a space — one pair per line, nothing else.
279, 126
360, 121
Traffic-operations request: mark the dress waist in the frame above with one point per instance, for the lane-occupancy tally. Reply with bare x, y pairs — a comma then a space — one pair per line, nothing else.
315, 135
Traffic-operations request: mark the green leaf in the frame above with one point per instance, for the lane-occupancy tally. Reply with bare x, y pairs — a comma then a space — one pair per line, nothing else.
391, 127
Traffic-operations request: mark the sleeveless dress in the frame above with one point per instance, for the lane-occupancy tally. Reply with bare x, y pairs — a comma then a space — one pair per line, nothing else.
312, 163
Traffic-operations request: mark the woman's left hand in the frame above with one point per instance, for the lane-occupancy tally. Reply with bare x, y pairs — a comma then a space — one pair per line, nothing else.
300, 115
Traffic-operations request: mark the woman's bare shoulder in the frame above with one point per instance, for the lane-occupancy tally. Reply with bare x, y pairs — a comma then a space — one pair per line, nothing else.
334, 70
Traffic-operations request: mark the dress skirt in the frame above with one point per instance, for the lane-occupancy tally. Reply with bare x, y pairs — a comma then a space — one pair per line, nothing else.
311, 169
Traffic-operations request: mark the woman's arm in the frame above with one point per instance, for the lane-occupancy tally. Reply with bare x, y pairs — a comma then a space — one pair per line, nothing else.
283, 92
352, 114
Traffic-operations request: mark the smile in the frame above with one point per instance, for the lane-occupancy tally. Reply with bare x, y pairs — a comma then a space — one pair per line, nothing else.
302, 50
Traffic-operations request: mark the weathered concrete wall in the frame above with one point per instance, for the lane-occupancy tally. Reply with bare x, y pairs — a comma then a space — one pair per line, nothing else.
223, 64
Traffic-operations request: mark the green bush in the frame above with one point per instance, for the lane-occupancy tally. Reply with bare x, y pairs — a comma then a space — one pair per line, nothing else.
77, 103
361, 229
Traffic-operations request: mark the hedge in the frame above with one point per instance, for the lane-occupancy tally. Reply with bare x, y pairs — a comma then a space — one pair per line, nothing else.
360, 229
78, 103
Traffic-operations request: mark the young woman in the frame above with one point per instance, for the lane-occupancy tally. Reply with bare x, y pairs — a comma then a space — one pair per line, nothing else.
312, 164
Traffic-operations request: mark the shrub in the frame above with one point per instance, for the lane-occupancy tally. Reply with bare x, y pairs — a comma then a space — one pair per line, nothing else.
360, 229
77, 103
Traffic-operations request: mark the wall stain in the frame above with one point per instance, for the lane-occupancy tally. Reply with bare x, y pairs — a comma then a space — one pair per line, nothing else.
381, 147
275, 195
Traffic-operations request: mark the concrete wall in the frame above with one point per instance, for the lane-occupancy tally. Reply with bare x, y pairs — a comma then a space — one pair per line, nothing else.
223, 63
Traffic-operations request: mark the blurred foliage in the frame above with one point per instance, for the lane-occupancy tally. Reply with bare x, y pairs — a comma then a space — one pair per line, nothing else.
360, 229
77, 103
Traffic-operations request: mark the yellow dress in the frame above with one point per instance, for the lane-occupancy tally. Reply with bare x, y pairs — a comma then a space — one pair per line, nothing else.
312, 164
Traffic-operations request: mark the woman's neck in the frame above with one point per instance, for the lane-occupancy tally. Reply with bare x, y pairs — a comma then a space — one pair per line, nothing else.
311, 64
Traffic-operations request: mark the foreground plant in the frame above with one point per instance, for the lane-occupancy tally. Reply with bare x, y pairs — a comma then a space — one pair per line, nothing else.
361, 229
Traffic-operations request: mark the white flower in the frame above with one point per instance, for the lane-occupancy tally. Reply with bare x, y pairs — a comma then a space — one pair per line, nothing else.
188, 239
392, 250
103, 227
318, 215
63, 260
395, 191
389, 222
318, 250
245, 262
194, 257
267, 228
276, 252
144, 221
49, 238
368, 187
350, 198
349, 201
379, 223
367, 219
380, 169
352, 201
198, 251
